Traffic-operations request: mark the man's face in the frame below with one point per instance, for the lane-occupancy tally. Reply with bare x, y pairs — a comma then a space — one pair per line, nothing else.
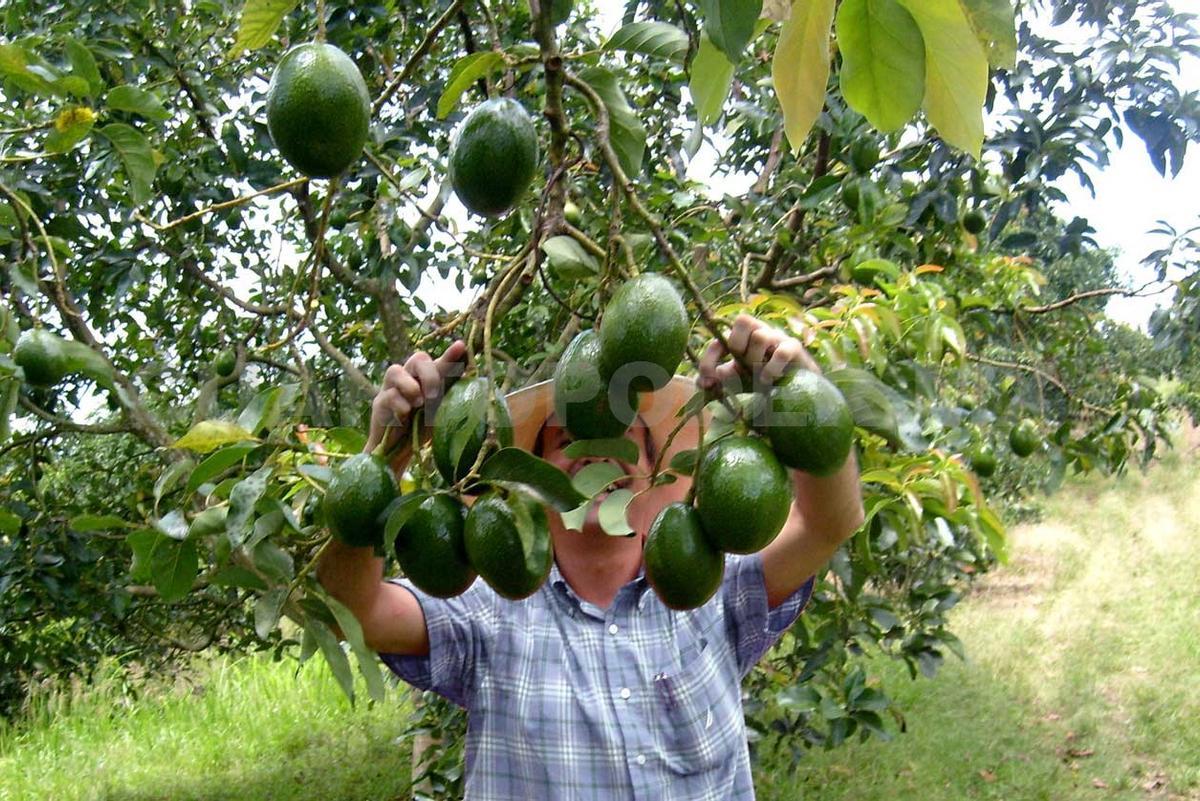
555, 438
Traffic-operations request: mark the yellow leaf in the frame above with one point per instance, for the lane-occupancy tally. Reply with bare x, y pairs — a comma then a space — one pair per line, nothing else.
800, 67
956, 72
209, 435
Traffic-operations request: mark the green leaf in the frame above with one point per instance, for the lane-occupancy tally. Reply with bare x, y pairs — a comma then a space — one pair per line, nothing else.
466, 71
264, 411
238, 576
15, 65
267, 611
883, 61
595, 478
568, 259
730, 24
335, 657
259, 20
626, 133
274, 562
217, 463
397, 514
994, 23
368, 663
10, 523
169, 478
135, 154
87, 523
242, 501
800, 67
10, 395
574, 519
347, 439
83, 64
210, 434
712, 74
136, 100
521, 470
79, 358
650, 38
142, 543
956, 72
869, 402
619, 448
70, 127
612, 513
684, 461
993, 532
174, 567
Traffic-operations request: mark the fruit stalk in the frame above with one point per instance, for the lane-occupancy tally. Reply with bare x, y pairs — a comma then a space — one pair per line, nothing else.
620, 179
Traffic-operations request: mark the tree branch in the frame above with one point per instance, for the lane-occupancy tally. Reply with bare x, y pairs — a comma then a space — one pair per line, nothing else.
63, 424
1042, 374
414, 60
794, 220
807, 278
227, 204
356, 376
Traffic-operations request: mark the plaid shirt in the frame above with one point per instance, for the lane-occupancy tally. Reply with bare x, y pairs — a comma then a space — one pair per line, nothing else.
567, 701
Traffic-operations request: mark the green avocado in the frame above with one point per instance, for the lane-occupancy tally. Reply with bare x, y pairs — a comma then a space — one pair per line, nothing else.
460, 427
808, 423
41, 355
743, 495
508, 544
582, 400
318, 109
494, 156
1024, 438
983, 461
684, 569
359, 492
225, 363
644, 333
974, 221
431, 548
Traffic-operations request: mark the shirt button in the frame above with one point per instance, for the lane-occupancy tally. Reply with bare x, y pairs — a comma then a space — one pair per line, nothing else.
614, 628
625, 693
640, 759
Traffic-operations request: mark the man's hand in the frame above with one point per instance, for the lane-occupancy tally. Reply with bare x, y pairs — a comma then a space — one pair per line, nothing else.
825, 511
421, 380
764, 349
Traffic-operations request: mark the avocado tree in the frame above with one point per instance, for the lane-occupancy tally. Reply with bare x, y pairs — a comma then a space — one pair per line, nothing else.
212, 324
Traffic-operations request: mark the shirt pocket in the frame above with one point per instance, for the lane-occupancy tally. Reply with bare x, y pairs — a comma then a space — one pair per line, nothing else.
701, 713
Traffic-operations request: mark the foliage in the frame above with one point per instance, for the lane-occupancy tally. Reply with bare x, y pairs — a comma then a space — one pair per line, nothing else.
146, 215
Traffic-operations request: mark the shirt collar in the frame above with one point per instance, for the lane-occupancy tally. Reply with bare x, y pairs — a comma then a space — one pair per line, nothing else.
564, 590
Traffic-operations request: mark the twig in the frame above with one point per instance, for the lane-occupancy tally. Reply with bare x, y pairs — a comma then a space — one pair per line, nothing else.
64, 424
619, 177
1091, 293
1042, 374
414, 60
795, 218
807, 278
228, 204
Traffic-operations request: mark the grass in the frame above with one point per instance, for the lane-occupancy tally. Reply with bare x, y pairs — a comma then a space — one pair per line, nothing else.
1084, 659
1082, 672
247, 729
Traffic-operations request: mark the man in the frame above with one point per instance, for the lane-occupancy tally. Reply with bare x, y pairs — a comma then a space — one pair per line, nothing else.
591, 688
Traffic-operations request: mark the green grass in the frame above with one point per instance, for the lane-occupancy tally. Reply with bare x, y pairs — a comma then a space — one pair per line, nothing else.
1082, 672
246, 729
